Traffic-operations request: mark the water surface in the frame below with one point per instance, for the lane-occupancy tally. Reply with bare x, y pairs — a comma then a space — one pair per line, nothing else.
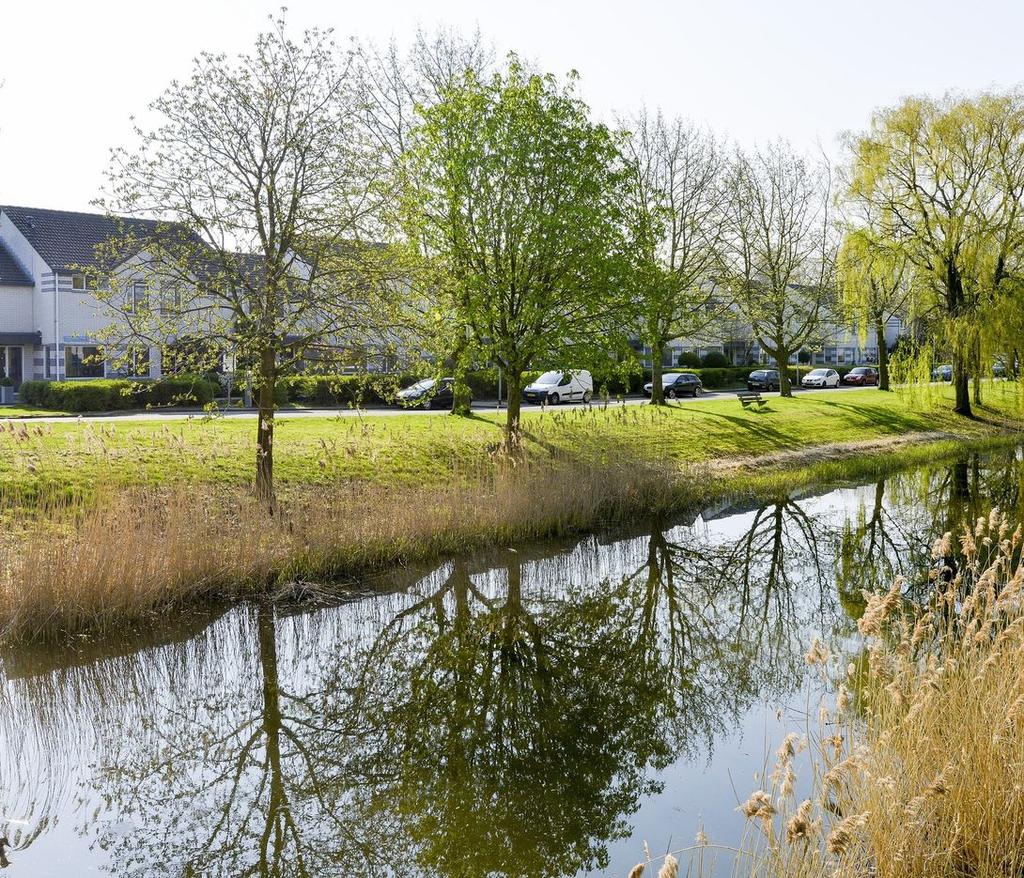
530, 712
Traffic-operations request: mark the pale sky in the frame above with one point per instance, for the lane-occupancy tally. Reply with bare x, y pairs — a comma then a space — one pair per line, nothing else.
75, 70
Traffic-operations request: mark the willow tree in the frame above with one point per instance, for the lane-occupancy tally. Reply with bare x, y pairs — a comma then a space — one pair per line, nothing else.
263, 172
877, 281
677, 205
516, 196
944, 179
779, 249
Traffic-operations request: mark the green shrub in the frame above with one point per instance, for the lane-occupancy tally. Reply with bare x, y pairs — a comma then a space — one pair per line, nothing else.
690, 359
715, 360
116, 394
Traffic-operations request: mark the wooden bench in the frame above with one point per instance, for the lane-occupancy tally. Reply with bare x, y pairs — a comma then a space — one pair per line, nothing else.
750, 397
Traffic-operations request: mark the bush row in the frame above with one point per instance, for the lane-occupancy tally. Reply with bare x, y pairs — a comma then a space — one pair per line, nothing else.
357, 390
111, 394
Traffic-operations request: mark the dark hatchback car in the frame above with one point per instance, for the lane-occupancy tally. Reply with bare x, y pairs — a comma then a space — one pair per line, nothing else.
862, 376
429, 393
674, 384
763, 379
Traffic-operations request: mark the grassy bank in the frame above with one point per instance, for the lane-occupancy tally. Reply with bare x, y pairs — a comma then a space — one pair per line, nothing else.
73, 457
112, 524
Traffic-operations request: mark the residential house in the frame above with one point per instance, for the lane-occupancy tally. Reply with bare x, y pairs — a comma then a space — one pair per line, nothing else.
49, 319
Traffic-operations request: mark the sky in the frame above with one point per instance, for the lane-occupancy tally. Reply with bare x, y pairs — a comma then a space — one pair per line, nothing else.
74, 72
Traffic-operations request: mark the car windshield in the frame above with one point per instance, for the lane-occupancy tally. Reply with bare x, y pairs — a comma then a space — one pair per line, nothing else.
818, 373
859, 371
549, 378
425, 384
670, 378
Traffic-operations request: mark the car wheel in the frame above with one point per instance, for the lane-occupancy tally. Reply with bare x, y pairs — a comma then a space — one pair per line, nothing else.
671, 394
697, 391
553, 399
586, 397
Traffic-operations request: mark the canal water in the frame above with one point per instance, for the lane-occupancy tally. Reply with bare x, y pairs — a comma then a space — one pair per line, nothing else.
543, 711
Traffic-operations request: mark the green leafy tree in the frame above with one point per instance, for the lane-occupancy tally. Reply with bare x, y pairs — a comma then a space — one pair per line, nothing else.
397, 83
944, 180
516, 196
877, 282
677, 217
779, 254
266, 177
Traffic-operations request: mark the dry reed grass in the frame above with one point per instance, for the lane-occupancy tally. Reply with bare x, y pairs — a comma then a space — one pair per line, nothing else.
128, 554
917, 763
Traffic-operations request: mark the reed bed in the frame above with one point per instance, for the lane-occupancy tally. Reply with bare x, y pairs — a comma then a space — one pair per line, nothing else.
915, 768
127, 555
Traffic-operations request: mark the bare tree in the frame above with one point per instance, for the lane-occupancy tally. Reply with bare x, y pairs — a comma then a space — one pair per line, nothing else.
780, 248
677, 205
266, 175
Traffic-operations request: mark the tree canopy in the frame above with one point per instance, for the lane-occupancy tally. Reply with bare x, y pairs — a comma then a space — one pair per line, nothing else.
943, 180
516, 196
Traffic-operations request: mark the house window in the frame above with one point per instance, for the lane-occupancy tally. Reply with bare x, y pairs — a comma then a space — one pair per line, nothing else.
83, 361
136, 299
138, 363
78, 281
170, 301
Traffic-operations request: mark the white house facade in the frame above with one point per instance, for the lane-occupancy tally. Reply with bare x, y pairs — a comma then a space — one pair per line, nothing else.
49, 320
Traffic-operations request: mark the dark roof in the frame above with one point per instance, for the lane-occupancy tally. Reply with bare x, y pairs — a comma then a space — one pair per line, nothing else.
65, 239
12, 273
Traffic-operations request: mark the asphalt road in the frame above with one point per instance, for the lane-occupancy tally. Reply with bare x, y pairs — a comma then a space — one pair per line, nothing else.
481, 406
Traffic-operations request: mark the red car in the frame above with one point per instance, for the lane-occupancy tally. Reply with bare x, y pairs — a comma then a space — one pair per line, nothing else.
862, 376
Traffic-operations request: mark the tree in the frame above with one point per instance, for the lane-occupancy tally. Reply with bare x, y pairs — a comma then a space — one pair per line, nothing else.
945, 180
516, 195
265, 174
779, 253
676, 212
397, 84
877, 282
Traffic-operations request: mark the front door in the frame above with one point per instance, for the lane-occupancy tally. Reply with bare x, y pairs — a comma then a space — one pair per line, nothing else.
10, 363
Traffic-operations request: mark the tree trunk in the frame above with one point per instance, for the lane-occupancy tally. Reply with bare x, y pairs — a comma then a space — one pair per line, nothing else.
461, 397
265, 429
657, 391
514, 383
782, 361
883, 354
976, 369
460, 392
961, 386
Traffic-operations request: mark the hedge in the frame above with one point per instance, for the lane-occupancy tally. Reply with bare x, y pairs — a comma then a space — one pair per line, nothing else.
112, 394
361, 390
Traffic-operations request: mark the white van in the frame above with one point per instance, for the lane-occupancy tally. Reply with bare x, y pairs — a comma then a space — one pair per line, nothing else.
556, 387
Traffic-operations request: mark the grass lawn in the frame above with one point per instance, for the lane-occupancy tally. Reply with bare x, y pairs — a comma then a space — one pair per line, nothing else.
28, 411
425, 450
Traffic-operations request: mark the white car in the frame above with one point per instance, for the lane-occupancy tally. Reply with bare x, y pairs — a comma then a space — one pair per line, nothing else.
821, 378
556, 387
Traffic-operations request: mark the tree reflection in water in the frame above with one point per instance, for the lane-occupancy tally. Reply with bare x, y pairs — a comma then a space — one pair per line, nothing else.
502, 717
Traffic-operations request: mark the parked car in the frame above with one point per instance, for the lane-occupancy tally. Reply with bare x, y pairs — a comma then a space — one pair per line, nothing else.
763, 379
428, 393
942, 373
674, 384
861, 376
821, 378
558, 386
